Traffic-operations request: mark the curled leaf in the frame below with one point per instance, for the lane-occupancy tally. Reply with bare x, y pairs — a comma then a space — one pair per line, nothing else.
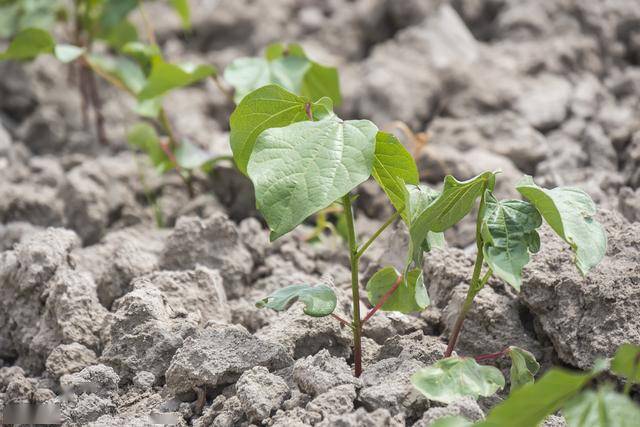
524, 367
410, 295
319, 300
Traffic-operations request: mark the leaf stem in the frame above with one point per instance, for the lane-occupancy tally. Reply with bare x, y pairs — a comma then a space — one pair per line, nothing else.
307, 109
375, 235
341, 320
491, 356
384, 299
355, 286
151, 36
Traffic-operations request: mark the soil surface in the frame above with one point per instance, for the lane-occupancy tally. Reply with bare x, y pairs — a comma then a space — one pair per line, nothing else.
115, 319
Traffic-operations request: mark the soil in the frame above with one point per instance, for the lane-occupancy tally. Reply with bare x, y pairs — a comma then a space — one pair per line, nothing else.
115, 319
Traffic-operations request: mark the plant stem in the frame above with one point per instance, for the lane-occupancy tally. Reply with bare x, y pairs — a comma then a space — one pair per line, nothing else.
384, 299
378, 232
355, 287
476, 283
341, 320
307, 109
151, 36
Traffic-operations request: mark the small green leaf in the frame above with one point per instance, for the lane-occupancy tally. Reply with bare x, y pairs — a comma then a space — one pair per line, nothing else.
115, 11
68, 53
529, 405
455, 377
142, 53
319, 300
508, 227
149, 108
602, 408
322, 81
190, 156
121, 69
118, 36
144, 137
182, 7
28, 44
418, 198
569, 211
306, 166
524, 367
393, 161
626, 362
265, 108
410, 296
165, 77
452, 421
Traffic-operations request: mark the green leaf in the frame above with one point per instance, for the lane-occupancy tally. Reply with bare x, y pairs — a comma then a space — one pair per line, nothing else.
322, 81
410, 296
149, 108
165, 77
508, 227
626, 362
569, 211
249, 74
455, 377
190, 156
529, 405
265, 108
118, 36
452, 421
142, 53
182, 7
115, 11
524, 367
68, 53
28, 44
419, 197
393, 161
306, 166
144, 137
319, 300
453, 204
602, 408
121, 69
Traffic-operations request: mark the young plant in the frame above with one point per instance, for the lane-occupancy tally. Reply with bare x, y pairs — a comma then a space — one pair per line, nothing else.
506, 232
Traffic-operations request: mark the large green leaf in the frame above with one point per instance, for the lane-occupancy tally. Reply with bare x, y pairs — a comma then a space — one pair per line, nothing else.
393, 161
144, 137
319, 300
28, 44
569, 211
524, 367
532, 403
626, 362
248, 74
455, 201
182, 7
265, 108
165, 77
455, 377
602, 408
410, 296
304, 167
507, 229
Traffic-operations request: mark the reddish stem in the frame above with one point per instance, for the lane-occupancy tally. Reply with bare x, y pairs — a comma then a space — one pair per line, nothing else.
341, 320
491, 356
382, 300
307, 109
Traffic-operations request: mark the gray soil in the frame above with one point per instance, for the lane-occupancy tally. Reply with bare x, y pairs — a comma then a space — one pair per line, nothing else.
114, 319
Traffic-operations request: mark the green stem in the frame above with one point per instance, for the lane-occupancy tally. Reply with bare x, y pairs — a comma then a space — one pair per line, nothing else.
378, 232
355, 286
476, 283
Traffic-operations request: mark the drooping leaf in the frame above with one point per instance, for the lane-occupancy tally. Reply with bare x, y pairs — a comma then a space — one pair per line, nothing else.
393, 161
602, 408
265, 108
455, 201
452, 421
165, 77
455, 377
319, 300
410, 296
28, 44
507, 230
524, 367
626, 362
190, 156
306, 166
529, 405
123, 70
569, 211
182, 7
67, 52
144, 137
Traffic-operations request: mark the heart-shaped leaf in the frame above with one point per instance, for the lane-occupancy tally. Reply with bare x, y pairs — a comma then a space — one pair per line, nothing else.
165, 77
626, 362
28, 44
306, 166
393, 161
569, 211
319, 300
524, 367
409, 297
507, 231
602, 408
455, 377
